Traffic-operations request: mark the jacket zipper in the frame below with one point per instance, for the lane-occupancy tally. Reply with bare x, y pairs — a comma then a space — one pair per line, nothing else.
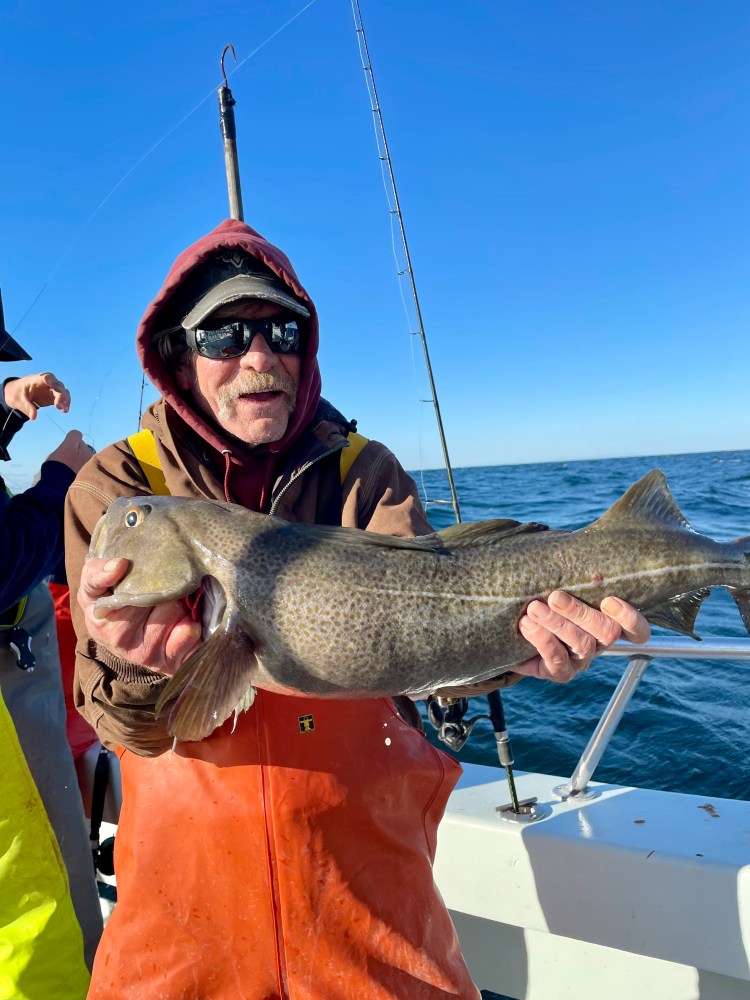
295, 476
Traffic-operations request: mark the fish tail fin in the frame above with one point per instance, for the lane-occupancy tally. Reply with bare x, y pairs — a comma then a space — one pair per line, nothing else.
212, 683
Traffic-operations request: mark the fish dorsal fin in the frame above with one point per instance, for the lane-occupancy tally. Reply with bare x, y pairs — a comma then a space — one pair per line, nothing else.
678, 613
647, 501
486, 532
349, 537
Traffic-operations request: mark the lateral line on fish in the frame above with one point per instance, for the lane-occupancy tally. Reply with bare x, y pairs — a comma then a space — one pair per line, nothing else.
638, 574
442, 594
498, 599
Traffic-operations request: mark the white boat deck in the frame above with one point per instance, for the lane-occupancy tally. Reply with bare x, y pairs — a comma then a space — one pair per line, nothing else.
632, 895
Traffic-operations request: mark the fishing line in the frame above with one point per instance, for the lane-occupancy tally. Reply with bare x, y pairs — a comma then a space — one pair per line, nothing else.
98, 396
140, 160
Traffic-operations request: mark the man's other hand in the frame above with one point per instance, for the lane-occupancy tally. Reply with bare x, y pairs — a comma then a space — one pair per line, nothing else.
568, 634
158, 638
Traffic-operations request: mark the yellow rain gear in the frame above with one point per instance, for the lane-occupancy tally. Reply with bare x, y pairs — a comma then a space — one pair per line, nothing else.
41, 946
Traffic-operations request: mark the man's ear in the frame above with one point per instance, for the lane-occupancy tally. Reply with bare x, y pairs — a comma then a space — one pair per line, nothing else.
183, 376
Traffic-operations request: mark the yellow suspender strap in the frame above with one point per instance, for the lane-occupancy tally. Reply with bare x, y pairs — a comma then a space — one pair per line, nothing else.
144, 449
348, 455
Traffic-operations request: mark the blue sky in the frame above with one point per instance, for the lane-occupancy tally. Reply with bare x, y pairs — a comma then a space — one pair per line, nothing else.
574, 178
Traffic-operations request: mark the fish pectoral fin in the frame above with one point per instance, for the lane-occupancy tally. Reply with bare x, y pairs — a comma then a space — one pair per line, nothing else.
742, 600
211, 684
678, 614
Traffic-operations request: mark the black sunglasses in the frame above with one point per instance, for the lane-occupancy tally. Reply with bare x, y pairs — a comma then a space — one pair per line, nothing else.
233, 339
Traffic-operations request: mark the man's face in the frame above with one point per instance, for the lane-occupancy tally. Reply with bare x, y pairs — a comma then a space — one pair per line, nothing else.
250, 397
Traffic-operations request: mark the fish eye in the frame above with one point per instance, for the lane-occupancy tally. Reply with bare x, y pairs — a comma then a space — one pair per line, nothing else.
133, 517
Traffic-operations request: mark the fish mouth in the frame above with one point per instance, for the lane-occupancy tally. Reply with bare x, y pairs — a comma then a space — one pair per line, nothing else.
114, 602
207, 602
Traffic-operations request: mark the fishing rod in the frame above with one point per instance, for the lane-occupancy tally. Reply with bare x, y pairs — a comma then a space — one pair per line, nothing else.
229, 135
385, 158
231, 163
445, 714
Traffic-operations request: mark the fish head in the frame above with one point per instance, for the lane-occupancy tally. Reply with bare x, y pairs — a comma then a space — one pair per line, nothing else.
157, 537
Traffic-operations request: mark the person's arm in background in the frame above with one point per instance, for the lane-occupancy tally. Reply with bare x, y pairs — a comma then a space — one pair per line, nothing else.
31, 523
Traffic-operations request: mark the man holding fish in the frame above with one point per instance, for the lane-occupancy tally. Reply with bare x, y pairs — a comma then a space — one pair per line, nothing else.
288, 854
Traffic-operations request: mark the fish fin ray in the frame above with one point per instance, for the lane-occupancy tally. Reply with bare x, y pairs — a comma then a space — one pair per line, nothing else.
243, 704
486, 532
741, 598
647, 501
456, 536
678, 614
212, 683
348, 537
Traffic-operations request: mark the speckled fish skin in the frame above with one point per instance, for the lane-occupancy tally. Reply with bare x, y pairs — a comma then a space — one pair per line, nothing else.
338, 612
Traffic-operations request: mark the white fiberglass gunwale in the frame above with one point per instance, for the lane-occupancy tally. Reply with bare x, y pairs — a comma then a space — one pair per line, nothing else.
623, 893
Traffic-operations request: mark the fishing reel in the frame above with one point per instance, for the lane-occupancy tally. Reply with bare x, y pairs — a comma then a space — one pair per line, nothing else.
447, 717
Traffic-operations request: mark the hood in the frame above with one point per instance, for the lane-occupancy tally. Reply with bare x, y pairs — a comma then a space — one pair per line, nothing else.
257, 463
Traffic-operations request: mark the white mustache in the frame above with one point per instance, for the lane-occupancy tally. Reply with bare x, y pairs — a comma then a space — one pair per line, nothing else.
249, 382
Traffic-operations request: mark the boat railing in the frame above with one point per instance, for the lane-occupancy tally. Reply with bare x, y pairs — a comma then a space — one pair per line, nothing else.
639, 657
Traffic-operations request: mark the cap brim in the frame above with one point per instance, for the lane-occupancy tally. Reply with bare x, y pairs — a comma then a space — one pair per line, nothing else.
10, 349
242, 286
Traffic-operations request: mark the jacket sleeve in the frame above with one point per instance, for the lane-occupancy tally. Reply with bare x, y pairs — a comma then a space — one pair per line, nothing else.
10, 421
378, 495
31, 532
117, 697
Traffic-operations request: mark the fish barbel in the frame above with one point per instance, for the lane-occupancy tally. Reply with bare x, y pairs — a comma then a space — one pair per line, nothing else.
342, 613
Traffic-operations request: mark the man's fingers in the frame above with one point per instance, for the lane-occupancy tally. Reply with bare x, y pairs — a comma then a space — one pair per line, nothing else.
553, 662
61, 398
47, 390
595, 623
581, 639
25, 406
633, 625
181, 641
99, 576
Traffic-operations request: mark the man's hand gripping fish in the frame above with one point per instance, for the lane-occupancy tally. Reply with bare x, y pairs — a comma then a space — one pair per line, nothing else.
341, 613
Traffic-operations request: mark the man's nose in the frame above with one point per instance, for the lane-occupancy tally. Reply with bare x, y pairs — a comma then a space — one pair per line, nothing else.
259, 355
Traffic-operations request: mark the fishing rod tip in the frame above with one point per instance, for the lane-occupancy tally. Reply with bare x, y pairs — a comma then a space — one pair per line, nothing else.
227, 48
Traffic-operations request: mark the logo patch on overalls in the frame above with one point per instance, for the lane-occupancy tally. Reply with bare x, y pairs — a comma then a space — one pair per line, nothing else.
306, 723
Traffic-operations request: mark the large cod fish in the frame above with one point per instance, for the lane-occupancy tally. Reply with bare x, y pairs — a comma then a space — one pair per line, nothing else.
342, 613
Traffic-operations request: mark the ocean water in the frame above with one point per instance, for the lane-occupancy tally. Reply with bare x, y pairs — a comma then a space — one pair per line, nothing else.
688, 725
